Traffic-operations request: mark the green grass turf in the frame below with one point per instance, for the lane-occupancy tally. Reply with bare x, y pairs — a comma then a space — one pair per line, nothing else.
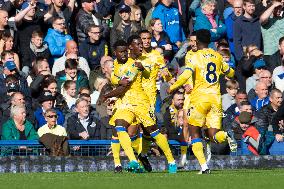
231, 179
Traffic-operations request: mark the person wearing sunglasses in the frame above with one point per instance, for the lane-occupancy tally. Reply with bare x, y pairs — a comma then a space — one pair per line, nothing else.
51, 125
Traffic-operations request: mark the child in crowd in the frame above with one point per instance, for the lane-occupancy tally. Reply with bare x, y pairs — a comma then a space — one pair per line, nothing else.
228, 99
69, 93
36, 49
226, 54
136, 17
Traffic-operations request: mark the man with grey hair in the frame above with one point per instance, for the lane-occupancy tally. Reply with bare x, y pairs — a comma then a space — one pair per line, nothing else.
107, 66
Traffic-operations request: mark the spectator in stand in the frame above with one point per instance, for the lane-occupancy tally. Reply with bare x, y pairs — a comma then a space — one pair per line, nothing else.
265, 77
272, 27
136, 17
7, 44
82, 125
246, 29
228, 99
47, 102
69, 93
27, 21
56, 38
10, 68
94, 48
72, 72
234, 124
278, 123
207, 19
4, 27
12, 7
107, 66
230, 20
150, 12
160, 38
234, 110
85, 18
36, 49
259, 65
71, 52
262, 97
59, 8
17, 127
124, 28
266, 114
276, 59
52, 135
170, 20
278, 77
98, 85
117, 18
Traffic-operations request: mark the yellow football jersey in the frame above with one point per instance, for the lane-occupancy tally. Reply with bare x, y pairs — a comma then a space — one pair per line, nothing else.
204, 68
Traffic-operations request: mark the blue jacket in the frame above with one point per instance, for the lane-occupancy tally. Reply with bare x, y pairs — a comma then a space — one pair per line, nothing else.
169, 17
229, 22
56, 42
202, 22
257, 103
246, 32
41, 120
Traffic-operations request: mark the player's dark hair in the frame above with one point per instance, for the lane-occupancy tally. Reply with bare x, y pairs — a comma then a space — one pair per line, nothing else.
132, 38
144, 31
203, 36
120, 43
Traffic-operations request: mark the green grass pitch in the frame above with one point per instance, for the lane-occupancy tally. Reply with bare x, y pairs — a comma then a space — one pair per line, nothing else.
231, 179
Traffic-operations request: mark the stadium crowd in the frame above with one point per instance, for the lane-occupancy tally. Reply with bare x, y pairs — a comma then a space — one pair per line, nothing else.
57, 60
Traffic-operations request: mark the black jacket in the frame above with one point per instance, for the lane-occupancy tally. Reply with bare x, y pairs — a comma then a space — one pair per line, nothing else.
279, 115
93, 52
74, 127
264, 117
32, 54
273, 61
170, 129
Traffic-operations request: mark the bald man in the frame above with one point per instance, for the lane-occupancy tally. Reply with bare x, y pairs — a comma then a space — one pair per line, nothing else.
261, 99
71, 52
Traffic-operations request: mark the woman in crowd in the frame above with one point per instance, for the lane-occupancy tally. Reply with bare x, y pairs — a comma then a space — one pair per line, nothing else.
7, 44
160, 39
136, 17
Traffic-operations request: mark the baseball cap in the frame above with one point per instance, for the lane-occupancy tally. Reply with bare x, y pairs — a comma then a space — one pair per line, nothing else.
124, 8
245, 117
259, 63
45, 96
24, 5
86, 1
10, 65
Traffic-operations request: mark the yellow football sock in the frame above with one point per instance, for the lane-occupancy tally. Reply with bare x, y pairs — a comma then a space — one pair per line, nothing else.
197, 148
145, 145
135, 143
162, 142
115, 147
125, 143
220, 137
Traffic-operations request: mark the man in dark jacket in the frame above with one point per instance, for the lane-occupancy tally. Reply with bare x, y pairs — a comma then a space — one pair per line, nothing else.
93, 48
275, 59
246, 29
81, 125
85, 18
266, 114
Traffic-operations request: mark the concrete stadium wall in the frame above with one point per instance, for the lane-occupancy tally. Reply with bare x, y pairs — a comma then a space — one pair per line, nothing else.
17, 164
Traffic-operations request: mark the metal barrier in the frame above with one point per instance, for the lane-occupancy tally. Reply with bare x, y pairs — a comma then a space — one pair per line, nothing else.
77, 147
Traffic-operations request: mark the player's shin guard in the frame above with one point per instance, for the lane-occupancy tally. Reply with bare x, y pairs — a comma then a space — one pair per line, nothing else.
135, 143
125, 142
197, 148
115, 146
162, 142
220, 137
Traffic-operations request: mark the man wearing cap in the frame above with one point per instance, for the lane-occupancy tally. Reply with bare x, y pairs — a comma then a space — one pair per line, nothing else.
117, 18
47, 102
125, 28
10, 68
85, 18
258, 66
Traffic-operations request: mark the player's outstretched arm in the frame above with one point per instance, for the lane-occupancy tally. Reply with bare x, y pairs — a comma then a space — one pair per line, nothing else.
118, 91
182, 79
